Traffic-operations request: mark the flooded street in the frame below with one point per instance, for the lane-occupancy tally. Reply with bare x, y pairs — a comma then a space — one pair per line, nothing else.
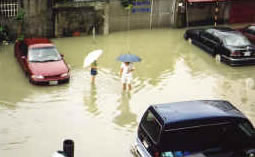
100, 118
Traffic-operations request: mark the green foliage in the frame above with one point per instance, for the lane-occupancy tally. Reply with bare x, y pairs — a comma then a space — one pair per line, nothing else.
127, 3
20, 14
20, 37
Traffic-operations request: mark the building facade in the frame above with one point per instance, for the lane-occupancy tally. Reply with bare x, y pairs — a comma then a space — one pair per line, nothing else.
56, 18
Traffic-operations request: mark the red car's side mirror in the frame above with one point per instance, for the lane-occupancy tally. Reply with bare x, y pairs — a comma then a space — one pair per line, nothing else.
62, 55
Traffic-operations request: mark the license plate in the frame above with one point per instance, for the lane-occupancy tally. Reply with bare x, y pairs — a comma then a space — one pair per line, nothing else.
247, 53
53, 82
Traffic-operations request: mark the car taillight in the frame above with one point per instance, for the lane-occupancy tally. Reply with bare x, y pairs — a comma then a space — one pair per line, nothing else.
235, 53
156, 154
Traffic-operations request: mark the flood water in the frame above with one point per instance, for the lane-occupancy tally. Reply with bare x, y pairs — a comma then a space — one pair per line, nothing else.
101, 118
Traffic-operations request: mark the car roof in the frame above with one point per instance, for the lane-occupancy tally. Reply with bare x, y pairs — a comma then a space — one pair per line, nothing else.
222, 32
37, 41
41, 45
189, 113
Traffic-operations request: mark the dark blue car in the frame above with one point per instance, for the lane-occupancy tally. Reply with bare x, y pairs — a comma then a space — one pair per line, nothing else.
205, 128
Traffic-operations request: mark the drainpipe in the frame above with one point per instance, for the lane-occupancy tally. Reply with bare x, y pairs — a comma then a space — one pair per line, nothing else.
151, 14
106, 18
187, 14
216, 12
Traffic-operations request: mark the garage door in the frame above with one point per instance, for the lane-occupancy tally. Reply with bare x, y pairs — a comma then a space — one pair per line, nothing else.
242, 12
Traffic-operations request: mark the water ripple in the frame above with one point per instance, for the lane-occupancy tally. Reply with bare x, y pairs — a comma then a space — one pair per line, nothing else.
7, 105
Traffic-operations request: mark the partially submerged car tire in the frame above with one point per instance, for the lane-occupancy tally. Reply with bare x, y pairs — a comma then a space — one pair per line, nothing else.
218, 58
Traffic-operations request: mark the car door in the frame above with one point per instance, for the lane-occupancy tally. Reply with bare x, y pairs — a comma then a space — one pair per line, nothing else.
208, 41
18, 51
22, 56
216, 44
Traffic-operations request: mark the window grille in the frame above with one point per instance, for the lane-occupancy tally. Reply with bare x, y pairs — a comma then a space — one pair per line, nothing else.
9, 8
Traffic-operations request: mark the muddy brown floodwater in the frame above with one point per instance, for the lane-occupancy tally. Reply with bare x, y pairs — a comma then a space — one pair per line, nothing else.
100, 118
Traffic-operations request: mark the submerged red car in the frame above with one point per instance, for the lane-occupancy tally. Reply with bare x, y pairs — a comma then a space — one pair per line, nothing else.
249, 32
41, 61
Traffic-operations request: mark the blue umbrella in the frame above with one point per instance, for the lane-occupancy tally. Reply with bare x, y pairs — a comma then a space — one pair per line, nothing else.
129, 58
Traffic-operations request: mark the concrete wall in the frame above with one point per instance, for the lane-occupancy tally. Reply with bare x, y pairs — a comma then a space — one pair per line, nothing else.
11, 26
203, 13
42, 20
79, 18
121, 19
38, 18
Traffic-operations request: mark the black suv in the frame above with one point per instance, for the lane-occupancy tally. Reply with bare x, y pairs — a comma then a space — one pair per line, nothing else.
204, 128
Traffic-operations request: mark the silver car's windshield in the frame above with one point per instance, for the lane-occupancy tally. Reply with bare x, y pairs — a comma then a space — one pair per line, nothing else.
43, 54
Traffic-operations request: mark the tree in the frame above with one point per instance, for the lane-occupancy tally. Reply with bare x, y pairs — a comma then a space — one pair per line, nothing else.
20, 19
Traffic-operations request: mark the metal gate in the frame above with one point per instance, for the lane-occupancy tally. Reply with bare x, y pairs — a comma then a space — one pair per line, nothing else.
242, 12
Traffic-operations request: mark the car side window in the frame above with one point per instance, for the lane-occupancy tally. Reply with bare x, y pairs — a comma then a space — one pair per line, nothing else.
23, 48
195, 138
250, 30
215, 39
151, 126
247, 129
238, 135
208, 36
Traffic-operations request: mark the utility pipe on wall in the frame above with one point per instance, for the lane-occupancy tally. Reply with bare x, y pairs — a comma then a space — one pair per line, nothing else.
151, 14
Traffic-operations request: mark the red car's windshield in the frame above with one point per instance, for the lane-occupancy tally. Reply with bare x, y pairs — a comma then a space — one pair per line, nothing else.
43, 54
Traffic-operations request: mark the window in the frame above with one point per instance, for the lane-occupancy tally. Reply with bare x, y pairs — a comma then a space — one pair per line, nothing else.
236, 40
251, 30
9, 8
43, 54
194, 139
23, 48
151, 126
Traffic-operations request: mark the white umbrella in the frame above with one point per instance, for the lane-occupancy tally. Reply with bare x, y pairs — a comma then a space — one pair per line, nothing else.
91, 57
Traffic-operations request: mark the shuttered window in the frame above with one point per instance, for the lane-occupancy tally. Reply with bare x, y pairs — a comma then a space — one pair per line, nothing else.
9, 8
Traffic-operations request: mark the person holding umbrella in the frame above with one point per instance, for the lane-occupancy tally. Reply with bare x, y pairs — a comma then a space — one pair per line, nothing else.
93, 71
127, 68
91, 60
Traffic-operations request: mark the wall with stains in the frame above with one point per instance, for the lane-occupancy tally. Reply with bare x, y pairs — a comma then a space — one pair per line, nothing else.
38, 19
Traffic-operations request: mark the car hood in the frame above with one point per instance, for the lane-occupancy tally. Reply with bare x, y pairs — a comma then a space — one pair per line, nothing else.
48, 68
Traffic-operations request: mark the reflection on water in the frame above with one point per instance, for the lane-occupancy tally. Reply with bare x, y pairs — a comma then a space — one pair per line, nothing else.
92, 100
125, 118
99, 117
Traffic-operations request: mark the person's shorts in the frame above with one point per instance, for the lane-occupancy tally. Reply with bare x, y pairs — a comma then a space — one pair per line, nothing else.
126, 79
93, 72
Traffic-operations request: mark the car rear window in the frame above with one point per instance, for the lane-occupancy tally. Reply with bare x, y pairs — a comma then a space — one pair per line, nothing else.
151, 126
236, 40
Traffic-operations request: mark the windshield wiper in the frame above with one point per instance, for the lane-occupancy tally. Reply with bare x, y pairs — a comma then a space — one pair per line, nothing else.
35, 61
50, 60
